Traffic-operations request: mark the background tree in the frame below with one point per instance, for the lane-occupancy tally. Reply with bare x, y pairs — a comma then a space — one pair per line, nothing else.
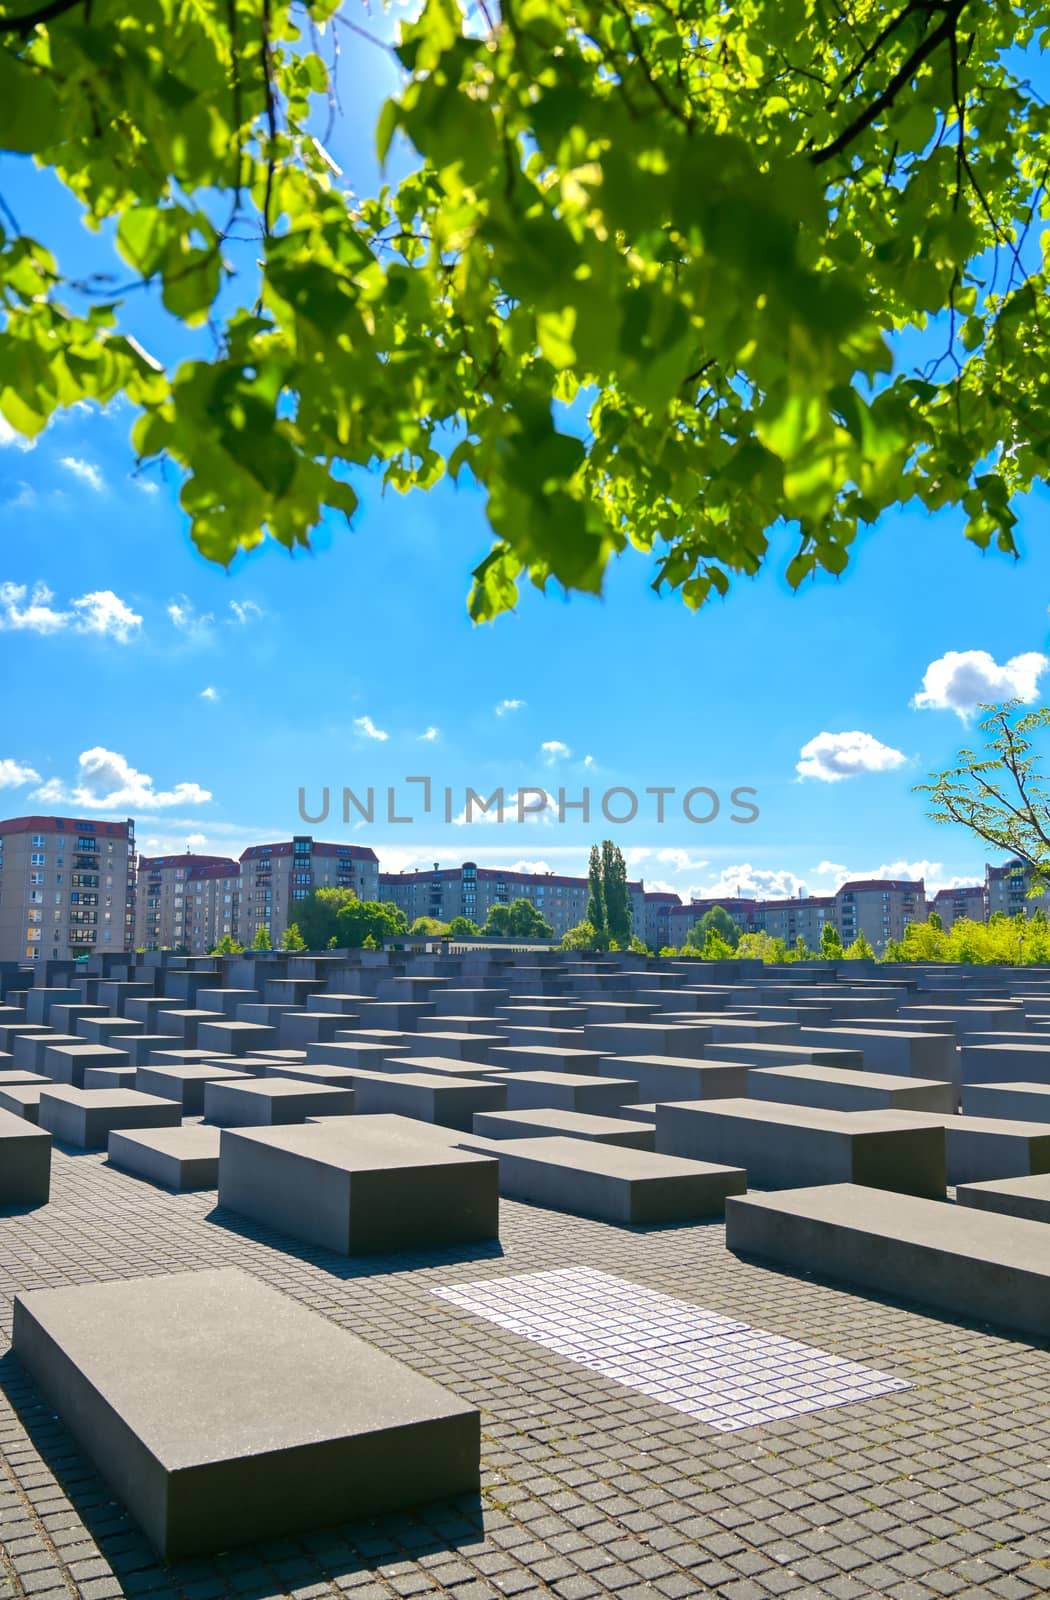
227, 946
432, 927
830, 943
998, 795
316, 915
360, 918
715, 948
262, 940
717, 237
859, 950
596, 896
463, 928
519, 920
615, 894
292, 939
716, 920
582, 937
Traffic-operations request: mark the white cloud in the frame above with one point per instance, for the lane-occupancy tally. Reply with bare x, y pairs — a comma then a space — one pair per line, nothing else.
10, 437
105, 613
680, 860
185, 616
86, 471
195, 840
145, 484
508, 705
932, 871
430, 735
588, 761
13, 774
553, 750
961, 680
245, 611
834, 756
538, 867
209, 693
752, 883
367, 728
37, 616
106, 781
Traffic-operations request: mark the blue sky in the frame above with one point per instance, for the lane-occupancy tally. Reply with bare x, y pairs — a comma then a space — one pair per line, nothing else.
125, 654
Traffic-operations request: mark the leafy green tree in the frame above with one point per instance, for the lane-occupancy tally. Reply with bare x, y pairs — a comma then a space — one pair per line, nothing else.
360, 918
317, 914
432, 927
760, 947
292, 939
615, 894
370, 942
935, 921
227, 946
715, 948
830, 942
718, 920
637, 946
582, 937
519, 920
859, 950
998, 793
712, 230
262, 939
463, 928
596, 896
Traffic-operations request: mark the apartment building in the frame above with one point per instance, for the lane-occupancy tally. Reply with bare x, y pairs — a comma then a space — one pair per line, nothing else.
67, 887
880, 909
274, 876
471, 891
657, 906
951, 904
167, 899
1006, 889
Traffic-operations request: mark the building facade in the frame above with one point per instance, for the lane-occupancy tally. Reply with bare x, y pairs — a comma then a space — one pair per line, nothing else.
166, 903
67, 887
951, 904
878, 908
274, 876
471, 891
1006, 890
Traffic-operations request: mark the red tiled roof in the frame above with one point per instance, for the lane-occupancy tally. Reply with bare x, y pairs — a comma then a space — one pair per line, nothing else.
115, 830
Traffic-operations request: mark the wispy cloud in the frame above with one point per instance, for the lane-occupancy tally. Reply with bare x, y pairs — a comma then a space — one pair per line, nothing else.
209, 693
429, 736
106, 781
244, 611
13, 774
830, 757
962, 680
506, 706
368, 730
86, 471
11, 439
553, 750
101, 612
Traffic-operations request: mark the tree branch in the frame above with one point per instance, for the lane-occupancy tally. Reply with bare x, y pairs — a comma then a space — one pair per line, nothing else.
905, 72
33, 19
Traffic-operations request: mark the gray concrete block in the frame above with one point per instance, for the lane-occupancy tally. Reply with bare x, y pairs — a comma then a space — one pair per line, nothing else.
360, 1184
25, 1161
67, 1063
23, 1099
267, 1102
109, 1077
141, 1046
1027, 1197
235, 1038
441, 1098
919, 1055
648, 1038
27, 1049
781, 1145
1005, 1062
461, 1046
544, 1058
678, 1077
565, 1125
1017, 1102
972, 1264
108, 1030
609, 1182
87, 1117
568, 1091
786, 1055
987, 1147
833, 1090
185, 1085
223, 1412
183, 1158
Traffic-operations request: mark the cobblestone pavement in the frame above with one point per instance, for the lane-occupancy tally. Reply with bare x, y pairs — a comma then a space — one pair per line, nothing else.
589, 1489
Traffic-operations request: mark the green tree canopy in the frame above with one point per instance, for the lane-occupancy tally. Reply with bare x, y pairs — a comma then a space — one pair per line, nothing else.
519, 920
292, 938
830, 942
708, 225
262, 939
464, 928
717, 920
433, 927
582, 937
335, 919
